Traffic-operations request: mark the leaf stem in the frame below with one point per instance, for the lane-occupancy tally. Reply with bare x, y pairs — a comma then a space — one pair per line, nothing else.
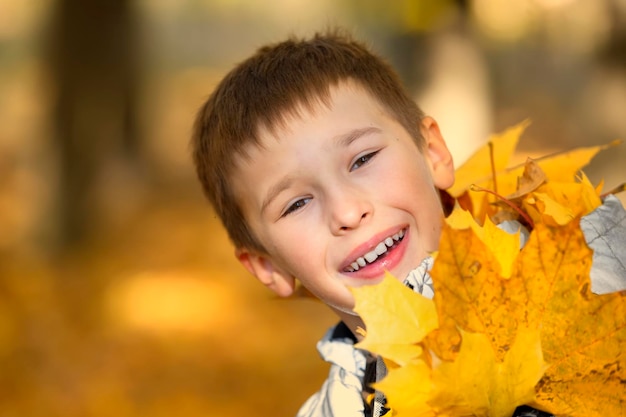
618, 189
493, 168
508, 202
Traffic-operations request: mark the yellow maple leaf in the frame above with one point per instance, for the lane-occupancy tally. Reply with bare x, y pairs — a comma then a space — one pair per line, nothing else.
484, 172
469, 293
558, 203
507, 244
409, 388
558, 167
562, 166
500, 360
583, 335
418, 319
478, 170
477, 383
502, 311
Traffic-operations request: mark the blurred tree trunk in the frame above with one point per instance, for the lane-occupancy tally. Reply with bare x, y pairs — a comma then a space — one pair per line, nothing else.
93, 47
614, 52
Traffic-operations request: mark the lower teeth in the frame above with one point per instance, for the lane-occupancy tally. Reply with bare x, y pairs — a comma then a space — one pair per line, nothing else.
352, 269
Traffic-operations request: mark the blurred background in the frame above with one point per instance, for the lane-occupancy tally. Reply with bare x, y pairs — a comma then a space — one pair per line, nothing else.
119, 294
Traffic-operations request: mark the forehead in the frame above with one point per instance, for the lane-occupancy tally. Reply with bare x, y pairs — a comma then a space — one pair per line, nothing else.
345, 105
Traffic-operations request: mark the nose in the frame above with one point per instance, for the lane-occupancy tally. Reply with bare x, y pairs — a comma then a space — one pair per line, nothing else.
349, 208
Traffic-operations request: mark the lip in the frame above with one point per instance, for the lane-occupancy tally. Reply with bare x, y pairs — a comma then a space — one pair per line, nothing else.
391, 259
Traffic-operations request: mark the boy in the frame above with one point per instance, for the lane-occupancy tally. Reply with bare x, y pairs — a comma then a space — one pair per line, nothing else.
324, 170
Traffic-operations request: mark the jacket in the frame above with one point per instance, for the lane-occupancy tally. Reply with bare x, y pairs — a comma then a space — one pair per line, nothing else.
344, 392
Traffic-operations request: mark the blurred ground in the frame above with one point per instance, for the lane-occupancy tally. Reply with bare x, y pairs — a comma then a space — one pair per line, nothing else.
153, 319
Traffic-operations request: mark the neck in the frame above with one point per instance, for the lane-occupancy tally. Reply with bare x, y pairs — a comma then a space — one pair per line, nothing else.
353, 322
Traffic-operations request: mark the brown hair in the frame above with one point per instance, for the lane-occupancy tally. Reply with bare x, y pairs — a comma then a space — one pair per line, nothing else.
267, 87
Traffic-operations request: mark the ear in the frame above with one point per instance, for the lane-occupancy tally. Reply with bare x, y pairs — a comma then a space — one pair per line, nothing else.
264, 269
437, 154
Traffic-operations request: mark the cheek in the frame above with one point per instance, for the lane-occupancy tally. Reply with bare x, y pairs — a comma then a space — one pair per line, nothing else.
434, 223
426, 208
296, 255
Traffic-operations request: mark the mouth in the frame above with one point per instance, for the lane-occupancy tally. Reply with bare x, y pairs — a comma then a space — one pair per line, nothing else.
379, 252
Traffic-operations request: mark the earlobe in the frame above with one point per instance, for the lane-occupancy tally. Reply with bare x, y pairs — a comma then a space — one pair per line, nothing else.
264, 269
437, 154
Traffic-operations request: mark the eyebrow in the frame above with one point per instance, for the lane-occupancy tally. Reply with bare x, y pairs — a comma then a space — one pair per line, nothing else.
340, 140
347, 138
274, 190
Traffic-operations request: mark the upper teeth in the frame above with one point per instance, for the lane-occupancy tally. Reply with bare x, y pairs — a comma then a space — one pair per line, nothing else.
371, 256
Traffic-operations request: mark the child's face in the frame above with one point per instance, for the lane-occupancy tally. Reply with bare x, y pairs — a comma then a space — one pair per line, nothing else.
333, 188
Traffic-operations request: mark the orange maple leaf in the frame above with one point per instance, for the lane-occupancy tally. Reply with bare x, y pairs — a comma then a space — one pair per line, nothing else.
583, 335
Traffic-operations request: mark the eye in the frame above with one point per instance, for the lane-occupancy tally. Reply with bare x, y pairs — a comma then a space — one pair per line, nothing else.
297, 205
362, 160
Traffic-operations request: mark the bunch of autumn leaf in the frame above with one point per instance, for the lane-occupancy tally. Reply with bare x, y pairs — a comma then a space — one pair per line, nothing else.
507, 326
